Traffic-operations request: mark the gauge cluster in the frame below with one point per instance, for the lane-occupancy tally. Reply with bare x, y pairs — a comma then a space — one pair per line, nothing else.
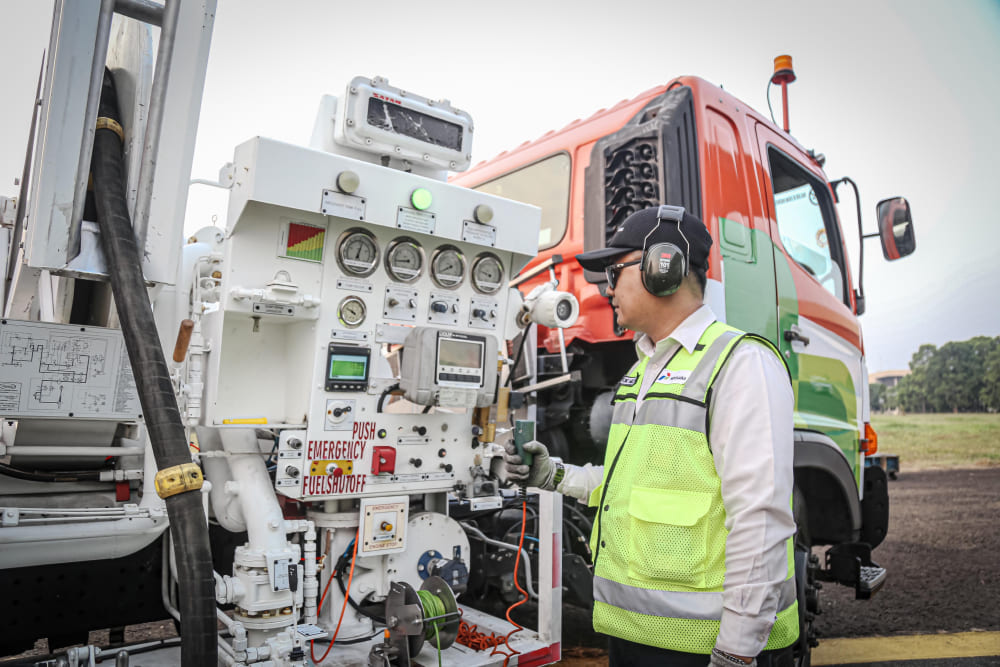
407, 262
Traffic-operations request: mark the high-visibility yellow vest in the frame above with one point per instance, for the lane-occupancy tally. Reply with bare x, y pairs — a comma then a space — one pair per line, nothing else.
659, 538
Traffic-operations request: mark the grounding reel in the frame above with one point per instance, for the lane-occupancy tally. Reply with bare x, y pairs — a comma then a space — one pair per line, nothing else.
412, 617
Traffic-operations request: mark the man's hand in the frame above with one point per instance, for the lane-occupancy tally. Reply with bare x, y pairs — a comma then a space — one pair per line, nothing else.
539, 473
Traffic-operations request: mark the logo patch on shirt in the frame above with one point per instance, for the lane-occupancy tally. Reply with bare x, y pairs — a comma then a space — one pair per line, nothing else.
628, 381
673, 377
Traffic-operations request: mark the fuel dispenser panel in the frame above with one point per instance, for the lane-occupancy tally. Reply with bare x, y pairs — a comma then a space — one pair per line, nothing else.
382, 324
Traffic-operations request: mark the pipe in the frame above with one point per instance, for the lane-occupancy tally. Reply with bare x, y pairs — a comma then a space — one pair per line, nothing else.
69, 450
83, 164
225, 506
141, 10
265, 523
154, 122
152, 378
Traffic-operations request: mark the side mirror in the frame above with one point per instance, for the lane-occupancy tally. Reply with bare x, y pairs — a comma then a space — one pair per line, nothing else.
895, 228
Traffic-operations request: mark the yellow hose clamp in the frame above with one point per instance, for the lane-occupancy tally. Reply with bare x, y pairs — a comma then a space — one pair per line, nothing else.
105, 123
178, 479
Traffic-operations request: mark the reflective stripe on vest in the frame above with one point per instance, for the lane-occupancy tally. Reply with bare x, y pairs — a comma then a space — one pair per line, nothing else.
702, 606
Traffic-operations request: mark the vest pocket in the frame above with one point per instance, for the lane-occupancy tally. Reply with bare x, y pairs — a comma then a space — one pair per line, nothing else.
668, 536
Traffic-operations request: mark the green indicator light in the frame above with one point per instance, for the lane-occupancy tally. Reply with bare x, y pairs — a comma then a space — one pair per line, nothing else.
421, 199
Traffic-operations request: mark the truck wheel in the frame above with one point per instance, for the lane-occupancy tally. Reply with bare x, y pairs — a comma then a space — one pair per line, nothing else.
806, 586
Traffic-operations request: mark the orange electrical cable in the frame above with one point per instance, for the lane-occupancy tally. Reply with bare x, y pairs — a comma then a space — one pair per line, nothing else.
517, 564
343, 607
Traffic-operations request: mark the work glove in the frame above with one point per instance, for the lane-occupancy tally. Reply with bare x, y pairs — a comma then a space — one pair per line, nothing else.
539, 473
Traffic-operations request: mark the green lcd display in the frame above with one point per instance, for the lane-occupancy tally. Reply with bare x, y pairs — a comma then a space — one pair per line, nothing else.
347, 368
343, 367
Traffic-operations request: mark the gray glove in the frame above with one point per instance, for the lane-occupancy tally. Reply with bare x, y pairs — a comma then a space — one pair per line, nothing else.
538, 474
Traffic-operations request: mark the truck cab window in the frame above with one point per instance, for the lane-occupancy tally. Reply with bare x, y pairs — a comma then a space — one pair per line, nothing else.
806, 226
544, 184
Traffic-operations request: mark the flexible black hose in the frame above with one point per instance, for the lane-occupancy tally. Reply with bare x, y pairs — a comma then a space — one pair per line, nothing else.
39, 476
188, 527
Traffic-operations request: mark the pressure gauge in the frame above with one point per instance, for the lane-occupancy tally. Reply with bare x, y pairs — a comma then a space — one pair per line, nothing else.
357, 252
404, 259
487, 273
448, 267
352, 312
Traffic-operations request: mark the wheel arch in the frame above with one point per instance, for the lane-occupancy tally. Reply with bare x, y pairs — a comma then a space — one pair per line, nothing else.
824, 476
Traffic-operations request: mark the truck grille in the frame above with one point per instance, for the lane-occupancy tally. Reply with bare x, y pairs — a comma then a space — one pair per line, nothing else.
631, 180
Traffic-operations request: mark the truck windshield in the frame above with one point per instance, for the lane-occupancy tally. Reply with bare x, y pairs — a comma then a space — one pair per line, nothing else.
544, 184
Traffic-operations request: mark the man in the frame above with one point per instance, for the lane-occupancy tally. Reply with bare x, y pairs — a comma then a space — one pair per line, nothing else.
692, 541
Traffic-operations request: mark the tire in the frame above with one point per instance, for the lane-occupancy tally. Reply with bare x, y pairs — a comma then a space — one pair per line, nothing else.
806, 588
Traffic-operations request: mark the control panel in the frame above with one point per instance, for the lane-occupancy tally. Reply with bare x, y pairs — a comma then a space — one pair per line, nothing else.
362, 313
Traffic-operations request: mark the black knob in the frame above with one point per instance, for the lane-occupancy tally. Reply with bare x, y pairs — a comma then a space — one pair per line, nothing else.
442, 452
292, 471
416, 463
446, 467
477, 430
420, 430
339, 411
439, 307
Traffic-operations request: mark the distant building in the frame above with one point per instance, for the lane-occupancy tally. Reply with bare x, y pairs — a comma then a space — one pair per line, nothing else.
888, 378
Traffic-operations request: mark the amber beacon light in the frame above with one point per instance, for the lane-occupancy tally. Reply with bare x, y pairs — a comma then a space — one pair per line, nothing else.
783, 75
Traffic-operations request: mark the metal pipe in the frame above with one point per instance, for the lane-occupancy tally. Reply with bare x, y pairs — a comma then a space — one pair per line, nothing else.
478, 534
89, 126
141, 10
154, 122
67, 450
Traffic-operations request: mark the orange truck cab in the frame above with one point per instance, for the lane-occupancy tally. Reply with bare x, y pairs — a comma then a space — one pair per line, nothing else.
779, 267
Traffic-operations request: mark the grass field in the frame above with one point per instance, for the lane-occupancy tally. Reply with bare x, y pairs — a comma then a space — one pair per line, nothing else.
925, 442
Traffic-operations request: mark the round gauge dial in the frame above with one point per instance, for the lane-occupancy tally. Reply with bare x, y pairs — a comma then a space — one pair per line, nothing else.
487, 273
448, 267
357, 252
352, 312
404, 259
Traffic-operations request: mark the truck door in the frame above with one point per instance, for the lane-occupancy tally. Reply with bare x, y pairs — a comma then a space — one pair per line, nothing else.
819, 335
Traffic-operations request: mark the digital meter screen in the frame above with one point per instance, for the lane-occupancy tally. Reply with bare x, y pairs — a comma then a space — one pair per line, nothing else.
347, 368
414, 124
343, 367
460, 361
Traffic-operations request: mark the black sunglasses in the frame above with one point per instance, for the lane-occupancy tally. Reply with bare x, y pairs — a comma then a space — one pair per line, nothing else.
612, 271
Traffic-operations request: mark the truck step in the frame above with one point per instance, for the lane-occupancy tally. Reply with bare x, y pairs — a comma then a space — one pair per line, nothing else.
870, 582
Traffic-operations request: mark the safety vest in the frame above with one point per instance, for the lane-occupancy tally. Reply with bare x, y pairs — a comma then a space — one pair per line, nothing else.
659, 538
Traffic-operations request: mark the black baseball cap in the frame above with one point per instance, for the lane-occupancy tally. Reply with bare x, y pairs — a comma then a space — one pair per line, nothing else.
678, 226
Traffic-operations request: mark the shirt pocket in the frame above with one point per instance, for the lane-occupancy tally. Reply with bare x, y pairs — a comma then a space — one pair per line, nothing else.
668, 536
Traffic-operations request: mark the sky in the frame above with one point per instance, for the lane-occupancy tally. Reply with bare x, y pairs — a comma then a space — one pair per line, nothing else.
901, 96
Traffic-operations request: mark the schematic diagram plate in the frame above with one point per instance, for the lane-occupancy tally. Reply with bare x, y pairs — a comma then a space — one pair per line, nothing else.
65, 370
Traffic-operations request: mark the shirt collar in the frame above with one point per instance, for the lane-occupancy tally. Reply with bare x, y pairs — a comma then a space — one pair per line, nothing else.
687, 333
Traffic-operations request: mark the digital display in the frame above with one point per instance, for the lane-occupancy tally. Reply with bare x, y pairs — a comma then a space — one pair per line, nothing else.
460, 353
414, 124
348, 367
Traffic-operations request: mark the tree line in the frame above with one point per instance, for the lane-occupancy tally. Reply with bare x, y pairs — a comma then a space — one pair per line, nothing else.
960, 376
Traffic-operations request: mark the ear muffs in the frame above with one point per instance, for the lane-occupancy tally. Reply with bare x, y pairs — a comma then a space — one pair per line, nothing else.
664, 266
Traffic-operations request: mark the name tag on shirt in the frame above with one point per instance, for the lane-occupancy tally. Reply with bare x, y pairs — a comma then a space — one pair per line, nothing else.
673, 377
628, 381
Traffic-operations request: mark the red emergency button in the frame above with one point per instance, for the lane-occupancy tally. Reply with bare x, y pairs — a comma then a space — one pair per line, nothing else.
337, 472
383, 460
